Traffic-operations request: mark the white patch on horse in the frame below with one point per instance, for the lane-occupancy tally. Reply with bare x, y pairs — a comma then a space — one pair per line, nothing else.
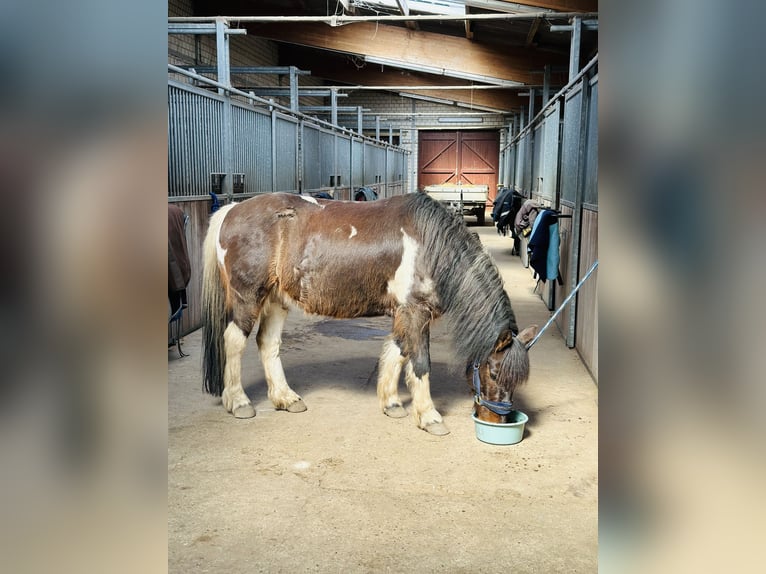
220, 251
311, 200
353, 232
404, 278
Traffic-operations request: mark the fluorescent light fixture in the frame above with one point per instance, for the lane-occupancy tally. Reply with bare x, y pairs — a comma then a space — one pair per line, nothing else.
460, 120
504, 6
422, 6
404, 65
481, 108
485, 79
441, 72
427, 99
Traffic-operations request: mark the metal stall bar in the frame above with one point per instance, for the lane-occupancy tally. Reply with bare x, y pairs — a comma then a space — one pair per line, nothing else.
574, 269
336, 20
562, 92
270, 104
227, 132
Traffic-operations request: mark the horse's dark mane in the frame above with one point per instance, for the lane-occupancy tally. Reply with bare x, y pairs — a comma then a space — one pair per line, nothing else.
471, 294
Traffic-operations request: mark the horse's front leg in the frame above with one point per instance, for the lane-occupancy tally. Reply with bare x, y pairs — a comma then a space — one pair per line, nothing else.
423, 409
269, 340
412, 329
389, 371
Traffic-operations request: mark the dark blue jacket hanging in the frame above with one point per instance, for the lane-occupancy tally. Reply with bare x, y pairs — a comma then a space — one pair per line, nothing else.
543, 246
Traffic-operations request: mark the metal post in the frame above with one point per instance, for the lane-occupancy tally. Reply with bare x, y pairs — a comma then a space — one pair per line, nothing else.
574, 49
359, 121
511, 155
546, 84
351, 167
334, 106
531, 105
299, 155
385, 173
501, 164
335, 160
273, 150
377, 128
574, 271
222, 53
523, 152
227, 129
293, 88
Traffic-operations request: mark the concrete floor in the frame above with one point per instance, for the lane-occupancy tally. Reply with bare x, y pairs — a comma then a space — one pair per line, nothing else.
343, 488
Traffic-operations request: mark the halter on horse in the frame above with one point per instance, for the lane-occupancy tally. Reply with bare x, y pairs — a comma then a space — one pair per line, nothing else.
406, 257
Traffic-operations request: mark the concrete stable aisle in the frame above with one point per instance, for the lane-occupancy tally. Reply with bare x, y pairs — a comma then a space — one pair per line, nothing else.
343, 488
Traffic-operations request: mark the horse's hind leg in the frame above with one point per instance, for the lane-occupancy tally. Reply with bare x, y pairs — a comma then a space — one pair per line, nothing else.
269, 339
233, 397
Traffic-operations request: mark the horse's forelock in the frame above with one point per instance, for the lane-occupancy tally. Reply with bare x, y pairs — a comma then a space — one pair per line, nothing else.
514, 367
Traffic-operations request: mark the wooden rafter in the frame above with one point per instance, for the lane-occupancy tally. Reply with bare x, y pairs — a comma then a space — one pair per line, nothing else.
413, 48
468, 25
404, 8
337, 72
532, 31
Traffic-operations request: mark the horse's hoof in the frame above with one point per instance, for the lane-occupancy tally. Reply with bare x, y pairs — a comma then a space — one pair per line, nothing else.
244, 412
438, 429
297, 407
395, 411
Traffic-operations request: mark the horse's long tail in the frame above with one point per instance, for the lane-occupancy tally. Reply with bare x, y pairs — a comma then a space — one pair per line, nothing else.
214, 307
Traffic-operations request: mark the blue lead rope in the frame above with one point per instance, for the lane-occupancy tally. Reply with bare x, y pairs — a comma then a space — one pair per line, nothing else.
569, 297
499, 408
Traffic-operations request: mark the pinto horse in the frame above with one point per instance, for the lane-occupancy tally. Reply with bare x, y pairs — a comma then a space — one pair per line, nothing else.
405, 256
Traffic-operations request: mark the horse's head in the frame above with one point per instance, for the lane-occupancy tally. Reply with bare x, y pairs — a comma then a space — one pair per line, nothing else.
497, 378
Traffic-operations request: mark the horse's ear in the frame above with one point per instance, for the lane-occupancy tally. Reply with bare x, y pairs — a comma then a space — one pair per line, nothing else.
527, 334
504, 341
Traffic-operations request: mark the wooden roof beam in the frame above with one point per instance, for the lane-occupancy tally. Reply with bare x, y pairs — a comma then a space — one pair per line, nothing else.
499, 99
404, 8
468, 25
532, 31
405, 48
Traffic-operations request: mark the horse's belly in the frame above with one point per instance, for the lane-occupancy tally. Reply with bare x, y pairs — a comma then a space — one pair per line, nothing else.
341, 289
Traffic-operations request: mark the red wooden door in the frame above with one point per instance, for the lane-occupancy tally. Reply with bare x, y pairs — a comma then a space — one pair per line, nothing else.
452, 157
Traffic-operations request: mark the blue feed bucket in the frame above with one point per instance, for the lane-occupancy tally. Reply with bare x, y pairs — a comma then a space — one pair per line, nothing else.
501, 433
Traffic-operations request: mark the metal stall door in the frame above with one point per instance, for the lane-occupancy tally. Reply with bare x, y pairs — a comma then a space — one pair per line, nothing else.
285, 152
195, 142
252, 149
